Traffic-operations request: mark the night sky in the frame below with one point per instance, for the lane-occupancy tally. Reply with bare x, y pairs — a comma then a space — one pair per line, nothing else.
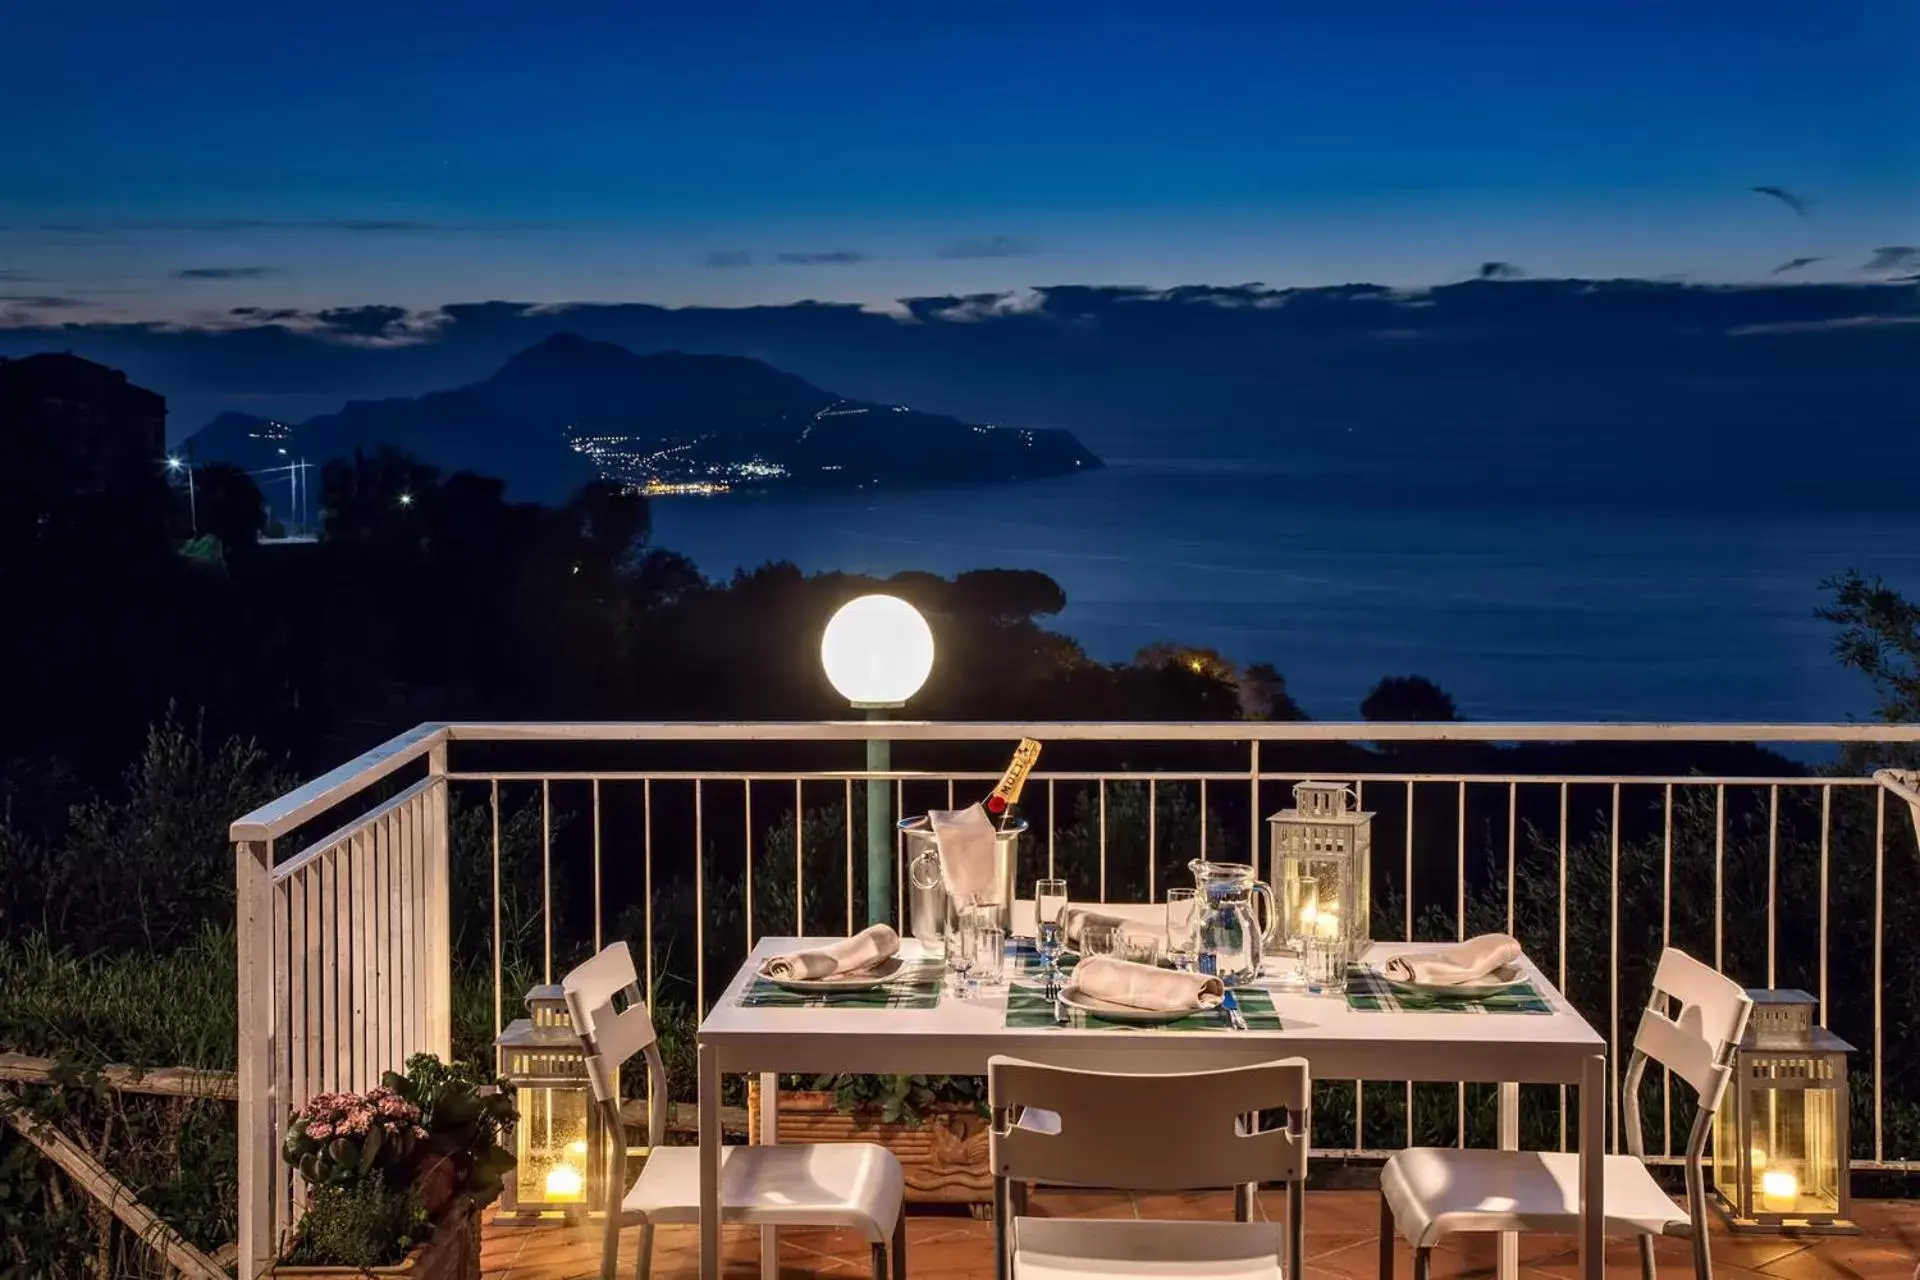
174, 161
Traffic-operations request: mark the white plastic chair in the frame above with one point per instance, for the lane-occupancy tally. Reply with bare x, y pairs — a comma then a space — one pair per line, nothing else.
1431, 1192
1151, 1133
857, 1185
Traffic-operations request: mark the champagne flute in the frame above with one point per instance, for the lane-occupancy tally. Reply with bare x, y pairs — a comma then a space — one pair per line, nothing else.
1050, 923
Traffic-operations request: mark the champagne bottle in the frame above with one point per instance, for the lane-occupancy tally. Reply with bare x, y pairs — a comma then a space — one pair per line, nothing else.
1001, 801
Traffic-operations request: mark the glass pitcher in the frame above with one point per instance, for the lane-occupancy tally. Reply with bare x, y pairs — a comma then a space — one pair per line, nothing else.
1226, 931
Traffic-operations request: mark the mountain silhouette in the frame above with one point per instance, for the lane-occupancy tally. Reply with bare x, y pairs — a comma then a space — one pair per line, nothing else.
568, 408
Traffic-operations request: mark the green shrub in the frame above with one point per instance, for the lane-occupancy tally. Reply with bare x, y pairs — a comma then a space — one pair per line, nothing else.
360, 1224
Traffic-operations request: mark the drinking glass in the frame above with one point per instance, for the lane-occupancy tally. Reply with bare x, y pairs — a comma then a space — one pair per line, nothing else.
1323, 962
1050, 924
1141, 948
1180, 907
1102, 940
988, 942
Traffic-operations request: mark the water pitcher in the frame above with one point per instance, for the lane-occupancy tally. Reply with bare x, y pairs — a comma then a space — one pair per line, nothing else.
1226, 929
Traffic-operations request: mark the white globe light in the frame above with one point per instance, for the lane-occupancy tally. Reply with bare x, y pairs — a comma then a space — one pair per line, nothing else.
877, 651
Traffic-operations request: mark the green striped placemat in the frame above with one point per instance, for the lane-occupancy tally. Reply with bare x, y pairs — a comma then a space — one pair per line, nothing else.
917, 987
1370, 991
1028, 1007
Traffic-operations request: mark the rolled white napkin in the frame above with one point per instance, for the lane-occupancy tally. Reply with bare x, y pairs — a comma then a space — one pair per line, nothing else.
863, 950
965, 839
1141, 986
1472, 959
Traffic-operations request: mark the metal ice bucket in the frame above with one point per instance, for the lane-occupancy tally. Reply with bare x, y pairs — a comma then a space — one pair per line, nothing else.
927, 904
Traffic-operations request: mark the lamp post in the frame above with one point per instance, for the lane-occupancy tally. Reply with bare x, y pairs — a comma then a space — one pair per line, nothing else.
175, 465
877, 652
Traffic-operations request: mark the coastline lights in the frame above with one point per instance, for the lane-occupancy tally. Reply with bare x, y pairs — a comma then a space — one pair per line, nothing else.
877, 651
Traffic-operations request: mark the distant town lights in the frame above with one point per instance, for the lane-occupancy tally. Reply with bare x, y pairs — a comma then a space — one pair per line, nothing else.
406, 499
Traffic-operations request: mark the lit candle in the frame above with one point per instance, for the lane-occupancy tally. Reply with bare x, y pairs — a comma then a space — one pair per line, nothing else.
1779, 1191
578, 1148
565, 1183
1328, 924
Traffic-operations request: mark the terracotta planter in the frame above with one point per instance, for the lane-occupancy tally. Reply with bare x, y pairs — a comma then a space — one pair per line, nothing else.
452, 1254
944, 1157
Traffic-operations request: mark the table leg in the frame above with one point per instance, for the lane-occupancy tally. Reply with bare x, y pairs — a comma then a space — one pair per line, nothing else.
709, 1163
1508, 1265
769, 1135
1593, 1176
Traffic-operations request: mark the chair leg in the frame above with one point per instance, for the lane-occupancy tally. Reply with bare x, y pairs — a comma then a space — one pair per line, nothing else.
900, 1246
1423, 1263
643, 1266
879, 1262
1647, 1268
610, 1247
1388, 1229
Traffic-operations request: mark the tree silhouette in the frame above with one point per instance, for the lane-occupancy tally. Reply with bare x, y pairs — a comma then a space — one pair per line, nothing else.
1408, 698
230, 505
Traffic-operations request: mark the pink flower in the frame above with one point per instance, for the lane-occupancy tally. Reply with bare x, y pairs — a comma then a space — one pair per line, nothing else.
319, 1130
418, 1132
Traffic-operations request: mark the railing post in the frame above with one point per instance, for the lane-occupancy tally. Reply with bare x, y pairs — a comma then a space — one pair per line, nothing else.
259, 1108
439, 905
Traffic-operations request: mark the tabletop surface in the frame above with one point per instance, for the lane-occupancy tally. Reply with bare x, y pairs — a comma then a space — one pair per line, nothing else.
1307, 1020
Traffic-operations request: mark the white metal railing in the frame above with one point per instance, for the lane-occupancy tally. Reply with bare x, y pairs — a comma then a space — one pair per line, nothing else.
345, 960
344, 968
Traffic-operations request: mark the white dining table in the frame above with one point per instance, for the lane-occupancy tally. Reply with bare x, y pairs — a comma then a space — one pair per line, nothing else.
958, 1036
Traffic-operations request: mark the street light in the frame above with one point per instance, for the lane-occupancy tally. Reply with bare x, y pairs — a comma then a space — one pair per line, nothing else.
174, 464
877, 652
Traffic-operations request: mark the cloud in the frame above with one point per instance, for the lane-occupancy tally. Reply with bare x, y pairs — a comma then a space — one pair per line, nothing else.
44, 301
1499, 271
1822, 326
989, 247
16, 277
1794, 264
728, 258
226, 273
229, 226
822, 258
1894, 257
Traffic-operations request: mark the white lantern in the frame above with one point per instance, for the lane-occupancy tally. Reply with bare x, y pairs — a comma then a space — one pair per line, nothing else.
877, 651
558, 1140
1322, 861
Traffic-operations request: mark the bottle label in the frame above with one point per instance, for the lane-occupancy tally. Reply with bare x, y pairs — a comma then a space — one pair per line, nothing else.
1006, 792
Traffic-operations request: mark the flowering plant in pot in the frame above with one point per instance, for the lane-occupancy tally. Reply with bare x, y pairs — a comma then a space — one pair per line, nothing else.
396, 1176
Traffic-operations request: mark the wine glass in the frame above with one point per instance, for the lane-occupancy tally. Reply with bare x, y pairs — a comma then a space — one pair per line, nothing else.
1050, 924
1180, 907
959, 950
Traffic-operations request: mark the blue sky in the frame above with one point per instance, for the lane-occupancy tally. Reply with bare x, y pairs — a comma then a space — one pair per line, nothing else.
342, 154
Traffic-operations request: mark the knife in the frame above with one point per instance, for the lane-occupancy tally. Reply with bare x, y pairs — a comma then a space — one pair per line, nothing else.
1232, 1006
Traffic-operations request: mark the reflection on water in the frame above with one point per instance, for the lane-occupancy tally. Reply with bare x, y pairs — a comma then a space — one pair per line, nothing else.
1521, 608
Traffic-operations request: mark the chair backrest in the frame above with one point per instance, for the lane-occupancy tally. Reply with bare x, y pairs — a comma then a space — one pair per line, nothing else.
1698, 1041
1149, 1132
610, 1034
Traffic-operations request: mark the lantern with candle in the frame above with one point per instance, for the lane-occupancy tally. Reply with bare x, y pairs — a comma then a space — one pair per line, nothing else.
1780, 1153
1322, 855
558, 1140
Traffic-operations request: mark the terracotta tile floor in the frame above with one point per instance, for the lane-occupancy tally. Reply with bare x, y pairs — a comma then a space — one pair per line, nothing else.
1341, 1245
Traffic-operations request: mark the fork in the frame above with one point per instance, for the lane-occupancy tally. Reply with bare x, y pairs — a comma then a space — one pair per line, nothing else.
1232, 1008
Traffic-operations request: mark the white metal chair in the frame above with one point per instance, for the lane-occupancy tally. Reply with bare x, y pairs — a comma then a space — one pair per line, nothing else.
1431, 1192
1151, 1133
856, 1185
